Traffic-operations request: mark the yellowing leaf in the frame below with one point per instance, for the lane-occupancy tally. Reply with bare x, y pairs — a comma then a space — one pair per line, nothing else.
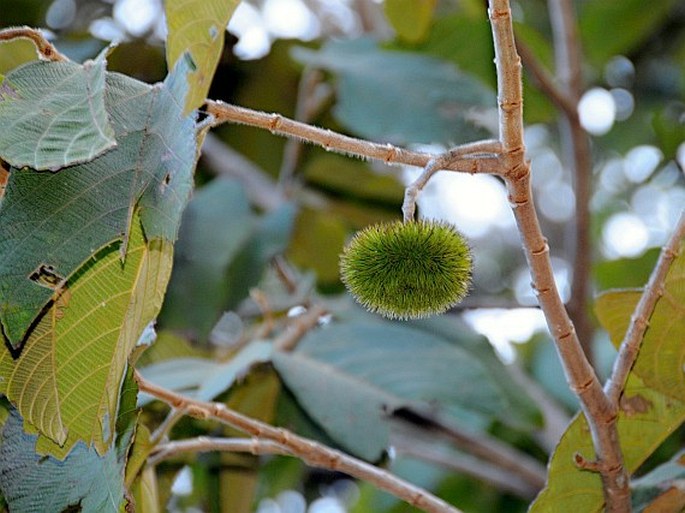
197, 27
411, 19
67, 381
662, 353
646, 419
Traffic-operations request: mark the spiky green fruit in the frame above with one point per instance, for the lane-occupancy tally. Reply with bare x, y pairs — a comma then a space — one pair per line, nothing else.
407, 270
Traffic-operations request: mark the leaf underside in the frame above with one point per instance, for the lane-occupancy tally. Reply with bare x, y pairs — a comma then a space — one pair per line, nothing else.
66, 381
54, 222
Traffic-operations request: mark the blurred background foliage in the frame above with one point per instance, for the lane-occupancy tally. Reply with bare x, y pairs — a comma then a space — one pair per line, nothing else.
270, 216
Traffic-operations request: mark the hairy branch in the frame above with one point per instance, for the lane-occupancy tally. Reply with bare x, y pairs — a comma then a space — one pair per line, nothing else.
332, 141
639, 322
488, 149
209, 444
600, 413
309, 451
45, 48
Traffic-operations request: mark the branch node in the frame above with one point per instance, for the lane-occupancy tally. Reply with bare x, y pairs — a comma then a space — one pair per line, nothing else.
584, 464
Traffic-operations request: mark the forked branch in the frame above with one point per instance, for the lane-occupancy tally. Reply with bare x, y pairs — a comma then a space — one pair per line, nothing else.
601, 414
309, 451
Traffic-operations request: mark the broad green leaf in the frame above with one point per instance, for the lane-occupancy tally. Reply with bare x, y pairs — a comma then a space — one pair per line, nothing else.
411, 19
15, 52
197, 27
221, 252
32, 483
646, 419
662, 353
55, 114
401, 97
137, 457
616, 28
519, 409
350, 409
409, 367
66, 382
53, 222
464, 39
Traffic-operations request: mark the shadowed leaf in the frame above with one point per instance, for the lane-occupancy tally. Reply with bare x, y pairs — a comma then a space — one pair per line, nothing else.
401, 97
32, 483
55, 116
67, 380
54, 222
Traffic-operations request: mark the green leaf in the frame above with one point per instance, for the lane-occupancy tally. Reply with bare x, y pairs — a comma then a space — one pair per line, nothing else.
645, 420
411, 19
41, 484
412, 367
55, 114
222, 250
53, 222
616, 28
197, 27
662, 353
401, 97
350, 409
519, 410
66, 382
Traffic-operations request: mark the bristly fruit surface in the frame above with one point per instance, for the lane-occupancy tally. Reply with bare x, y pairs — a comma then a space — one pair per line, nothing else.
407, 270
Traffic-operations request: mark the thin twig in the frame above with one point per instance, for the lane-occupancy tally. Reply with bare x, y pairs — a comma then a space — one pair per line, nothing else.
464, 464
45, 48
630, 346
298, 328
310, 100
332, 141
309, 451
480, 149
600, 413
209, 444
480, 445
576, 146
544, 80
163, 429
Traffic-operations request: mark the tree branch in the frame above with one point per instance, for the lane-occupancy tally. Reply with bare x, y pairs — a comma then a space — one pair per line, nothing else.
600, 413
44, 47
208, 444
630, 346
489, 149
332, 141
309, 451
